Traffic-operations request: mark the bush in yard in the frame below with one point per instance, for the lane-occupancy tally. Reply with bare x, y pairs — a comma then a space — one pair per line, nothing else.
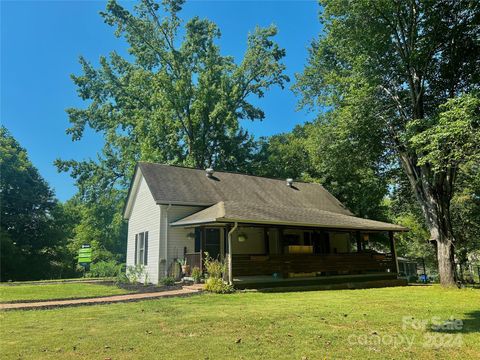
218, 286
196, 274
122, 278
137, 274
105, 269
215, 270
167, 281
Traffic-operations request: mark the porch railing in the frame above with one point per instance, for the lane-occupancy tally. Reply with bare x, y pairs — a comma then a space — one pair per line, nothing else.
193, 259
329, 264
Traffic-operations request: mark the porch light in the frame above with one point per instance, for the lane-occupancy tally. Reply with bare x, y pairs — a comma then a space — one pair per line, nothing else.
191, 235
366, 237
242, 237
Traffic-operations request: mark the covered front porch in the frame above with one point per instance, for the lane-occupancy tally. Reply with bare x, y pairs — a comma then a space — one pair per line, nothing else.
265, 243
271, 256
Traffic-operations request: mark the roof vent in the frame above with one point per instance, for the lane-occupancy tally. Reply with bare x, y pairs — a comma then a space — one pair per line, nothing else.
209, 172
289, 182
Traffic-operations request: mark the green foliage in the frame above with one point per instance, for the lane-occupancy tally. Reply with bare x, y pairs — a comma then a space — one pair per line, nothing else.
179, 102
454, 139
104, 269
99, 224
394, 75
34, 227
122, 278
349, 163
465, 209
331, 151
414, 244
176, 100
214, 268
218, 286
196, 274
167, 281
283, 155
137, 274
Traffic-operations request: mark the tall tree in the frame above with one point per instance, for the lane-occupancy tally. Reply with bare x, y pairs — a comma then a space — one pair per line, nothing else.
405, 59
34, 230
175, 100
179, 101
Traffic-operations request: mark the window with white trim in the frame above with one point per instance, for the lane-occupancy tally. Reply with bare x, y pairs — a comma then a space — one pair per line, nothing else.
141, 248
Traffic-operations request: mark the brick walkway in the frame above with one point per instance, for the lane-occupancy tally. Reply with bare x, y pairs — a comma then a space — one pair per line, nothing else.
186, 290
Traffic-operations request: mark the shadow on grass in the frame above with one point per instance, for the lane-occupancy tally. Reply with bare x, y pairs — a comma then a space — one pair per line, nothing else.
470, 324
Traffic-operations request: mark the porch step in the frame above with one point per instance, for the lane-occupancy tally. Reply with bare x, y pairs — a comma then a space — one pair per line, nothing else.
343, 281
340, 286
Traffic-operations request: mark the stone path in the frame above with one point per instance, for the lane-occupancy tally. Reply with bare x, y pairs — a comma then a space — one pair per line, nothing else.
185, 290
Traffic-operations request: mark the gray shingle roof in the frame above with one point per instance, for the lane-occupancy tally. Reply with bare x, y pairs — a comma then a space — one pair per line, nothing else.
179, 185
233, 211
230, 197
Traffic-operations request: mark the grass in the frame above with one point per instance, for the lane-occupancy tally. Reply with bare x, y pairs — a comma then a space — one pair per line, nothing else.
296, 325
10, 293
63, 280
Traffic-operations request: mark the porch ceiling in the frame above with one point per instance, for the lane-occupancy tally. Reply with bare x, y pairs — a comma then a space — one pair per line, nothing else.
242, 212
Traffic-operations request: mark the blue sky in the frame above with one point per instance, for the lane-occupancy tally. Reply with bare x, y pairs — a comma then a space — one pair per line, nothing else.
41, 42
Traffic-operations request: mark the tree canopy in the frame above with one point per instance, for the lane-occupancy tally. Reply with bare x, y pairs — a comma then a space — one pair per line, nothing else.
178, 101
175, 99
34, 229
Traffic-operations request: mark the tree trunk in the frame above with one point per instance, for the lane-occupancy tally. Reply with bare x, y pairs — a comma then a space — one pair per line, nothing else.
446, 267
434, 195
437, 209
437, 214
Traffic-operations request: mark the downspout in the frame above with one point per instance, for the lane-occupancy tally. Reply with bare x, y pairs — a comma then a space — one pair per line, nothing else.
229, 236
167, 225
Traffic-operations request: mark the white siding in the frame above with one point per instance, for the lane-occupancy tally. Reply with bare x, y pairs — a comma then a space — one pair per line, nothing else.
145, 216
177, 236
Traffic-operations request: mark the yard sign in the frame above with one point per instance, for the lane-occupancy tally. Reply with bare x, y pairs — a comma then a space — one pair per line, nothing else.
85, 255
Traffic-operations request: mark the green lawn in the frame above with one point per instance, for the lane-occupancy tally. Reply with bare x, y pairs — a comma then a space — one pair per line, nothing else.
311, 325
56, 291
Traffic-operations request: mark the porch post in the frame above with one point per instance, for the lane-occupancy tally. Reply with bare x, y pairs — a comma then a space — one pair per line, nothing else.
393, 250
229, 236
202, 245
266, 240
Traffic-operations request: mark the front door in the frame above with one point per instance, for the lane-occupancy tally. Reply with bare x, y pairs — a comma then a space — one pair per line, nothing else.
212, 242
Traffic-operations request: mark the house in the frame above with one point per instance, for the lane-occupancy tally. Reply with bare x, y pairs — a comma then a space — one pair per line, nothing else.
267, 230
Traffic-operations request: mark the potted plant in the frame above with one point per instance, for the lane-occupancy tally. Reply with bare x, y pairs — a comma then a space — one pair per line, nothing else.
185, 266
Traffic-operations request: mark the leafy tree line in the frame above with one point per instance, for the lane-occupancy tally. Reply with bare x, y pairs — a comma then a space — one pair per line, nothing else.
34, 228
